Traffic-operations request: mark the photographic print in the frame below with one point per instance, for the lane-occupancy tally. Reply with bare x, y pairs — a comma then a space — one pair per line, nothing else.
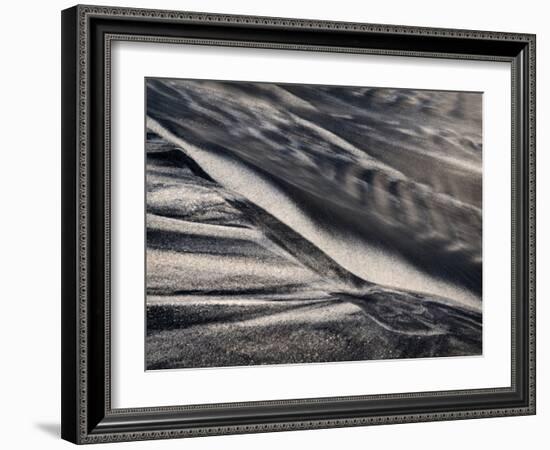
300, 223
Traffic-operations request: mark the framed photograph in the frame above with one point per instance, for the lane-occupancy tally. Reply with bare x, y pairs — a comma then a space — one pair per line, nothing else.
279, 224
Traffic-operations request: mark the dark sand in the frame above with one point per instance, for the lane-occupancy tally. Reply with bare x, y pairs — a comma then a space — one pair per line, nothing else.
275, 236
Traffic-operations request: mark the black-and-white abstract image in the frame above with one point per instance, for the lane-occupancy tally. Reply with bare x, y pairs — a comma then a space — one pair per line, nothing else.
299, 223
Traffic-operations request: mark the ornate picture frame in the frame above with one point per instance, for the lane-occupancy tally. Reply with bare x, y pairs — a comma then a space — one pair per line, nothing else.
88, 33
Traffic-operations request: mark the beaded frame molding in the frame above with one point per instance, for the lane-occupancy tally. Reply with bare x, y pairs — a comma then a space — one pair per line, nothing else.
87, 35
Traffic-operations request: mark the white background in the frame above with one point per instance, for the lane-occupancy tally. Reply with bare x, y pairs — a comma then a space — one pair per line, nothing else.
132, 387
30, 186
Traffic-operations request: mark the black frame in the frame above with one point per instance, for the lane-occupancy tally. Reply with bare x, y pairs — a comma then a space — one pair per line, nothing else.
87, 33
